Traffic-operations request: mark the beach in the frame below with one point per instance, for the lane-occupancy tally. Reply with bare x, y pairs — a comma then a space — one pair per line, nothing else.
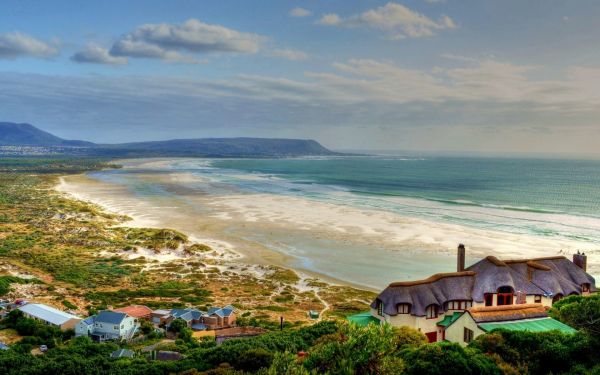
335, 240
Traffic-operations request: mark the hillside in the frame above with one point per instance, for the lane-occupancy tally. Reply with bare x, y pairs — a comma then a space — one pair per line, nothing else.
12, 134
16, 135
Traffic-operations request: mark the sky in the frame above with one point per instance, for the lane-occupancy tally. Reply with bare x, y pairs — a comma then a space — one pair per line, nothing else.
422, 75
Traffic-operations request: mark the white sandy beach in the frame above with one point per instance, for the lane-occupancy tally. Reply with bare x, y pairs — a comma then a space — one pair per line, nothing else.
290, 231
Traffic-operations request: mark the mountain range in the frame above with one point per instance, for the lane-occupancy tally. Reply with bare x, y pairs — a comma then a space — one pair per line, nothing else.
26, 135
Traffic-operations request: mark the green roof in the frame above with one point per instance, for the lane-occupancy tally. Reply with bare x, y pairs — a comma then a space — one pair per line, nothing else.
363, 319
532, 325
449, 319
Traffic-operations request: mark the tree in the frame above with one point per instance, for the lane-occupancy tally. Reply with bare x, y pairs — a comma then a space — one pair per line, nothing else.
579, 312
177, 325
254, 359
446, 358
354, 349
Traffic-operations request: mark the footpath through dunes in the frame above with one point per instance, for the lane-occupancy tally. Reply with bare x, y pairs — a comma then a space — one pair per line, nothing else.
328, 237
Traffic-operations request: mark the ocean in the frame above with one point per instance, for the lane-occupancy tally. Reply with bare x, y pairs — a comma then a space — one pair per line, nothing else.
370, 220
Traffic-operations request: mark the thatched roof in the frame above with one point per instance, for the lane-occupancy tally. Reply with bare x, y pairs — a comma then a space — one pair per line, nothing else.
559, 275
435, 290
507, 312
540, 276
493, 274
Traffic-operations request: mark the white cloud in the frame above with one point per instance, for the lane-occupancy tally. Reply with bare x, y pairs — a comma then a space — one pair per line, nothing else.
180, 42
95, 54
14, 45
290, 54
330, 19
300, 12
396, 20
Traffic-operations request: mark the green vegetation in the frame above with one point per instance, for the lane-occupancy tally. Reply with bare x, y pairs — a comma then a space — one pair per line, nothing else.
191, 293
580, 312
5, 282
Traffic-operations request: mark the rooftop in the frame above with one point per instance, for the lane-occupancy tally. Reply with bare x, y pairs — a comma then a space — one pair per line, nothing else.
47, 313
122, 353
507, 312
110, 317
433, 278
532, 325
363, 319
136, 311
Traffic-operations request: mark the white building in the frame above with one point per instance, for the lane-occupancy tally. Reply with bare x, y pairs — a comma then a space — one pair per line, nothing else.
108, 325
49, 315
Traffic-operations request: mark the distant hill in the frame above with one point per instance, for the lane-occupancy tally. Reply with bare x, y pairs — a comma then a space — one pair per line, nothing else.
12, 134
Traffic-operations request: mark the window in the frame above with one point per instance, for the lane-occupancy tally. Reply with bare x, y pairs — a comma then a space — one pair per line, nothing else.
557, 298
467, 335
489, 299
404, 308
585, 288
432, 311
537, 299
116, 327
458, 305
379, 308
505, 295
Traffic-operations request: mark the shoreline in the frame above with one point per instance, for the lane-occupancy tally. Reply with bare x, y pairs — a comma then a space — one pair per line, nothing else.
289, 231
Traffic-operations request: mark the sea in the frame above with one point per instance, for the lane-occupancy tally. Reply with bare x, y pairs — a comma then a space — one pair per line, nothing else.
547, 206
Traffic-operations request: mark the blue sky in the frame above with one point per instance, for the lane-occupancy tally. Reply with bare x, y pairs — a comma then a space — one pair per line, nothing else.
445, 75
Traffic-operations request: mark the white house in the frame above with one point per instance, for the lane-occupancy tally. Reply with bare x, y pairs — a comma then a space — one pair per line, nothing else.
108, 325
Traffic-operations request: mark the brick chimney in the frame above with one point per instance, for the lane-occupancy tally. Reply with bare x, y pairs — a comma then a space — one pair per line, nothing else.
460, 258
580, 260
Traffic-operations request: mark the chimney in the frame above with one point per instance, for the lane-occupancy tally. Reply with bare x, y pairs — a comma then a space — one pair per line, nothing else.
460, 258
580, 260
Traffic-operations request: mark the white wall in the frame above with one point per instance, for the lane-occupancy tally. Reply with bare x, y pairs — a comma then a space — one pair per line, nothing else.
455, 332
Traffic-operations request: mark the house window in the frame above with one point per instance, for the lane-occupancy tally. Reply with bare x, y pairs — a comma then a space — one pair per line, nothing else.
379, 308
467, 335
537, 298
505, 295
404, 308
116, 327
557, 298
489, 299
585, 288
432, 311
458, 305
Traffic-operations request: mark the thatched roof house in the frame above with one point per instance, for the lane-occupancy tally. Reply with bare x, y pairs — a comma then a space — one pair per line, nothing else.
549, 278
